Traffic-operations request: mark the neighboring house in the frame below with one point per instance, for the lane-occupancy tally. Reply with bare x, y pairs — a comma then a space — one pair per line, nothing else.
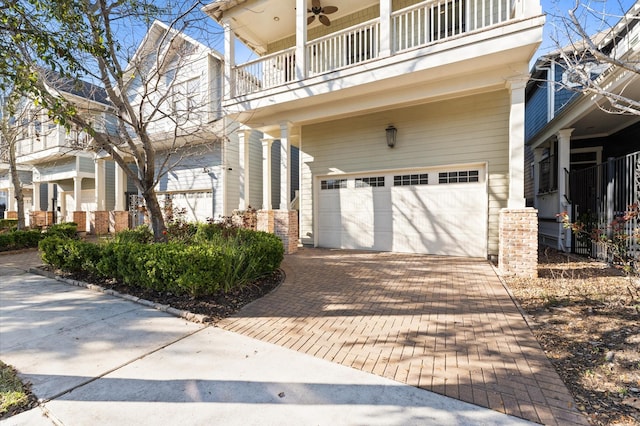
7, 190
408, 115
64, 173
179, 82
581, 159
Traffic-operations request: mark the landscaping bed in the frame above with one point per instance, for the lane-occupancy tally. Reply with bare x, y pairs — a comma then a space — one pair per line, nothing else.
586, 317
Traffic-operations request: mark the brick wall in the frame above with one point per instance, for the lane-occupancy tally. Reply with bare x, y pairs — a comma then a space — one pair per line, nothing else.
40, 218
11, 214
80, 217
286, 227
266, 221
118, 221
100, 222
283, 223
518, 253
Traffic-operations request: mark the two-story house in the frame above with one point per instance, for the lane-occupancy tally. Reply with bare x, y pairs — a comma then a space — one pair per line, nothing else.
177, 83
582, 158
64, 185
408, 115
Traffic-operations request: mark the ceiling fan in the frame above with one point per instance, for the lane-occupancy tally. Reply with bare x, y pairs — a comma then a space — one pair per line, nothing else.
320, 12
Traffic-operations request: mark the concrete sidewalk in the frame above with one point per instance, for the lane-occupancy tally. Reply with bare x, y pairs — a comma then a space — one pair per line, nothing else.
96, 359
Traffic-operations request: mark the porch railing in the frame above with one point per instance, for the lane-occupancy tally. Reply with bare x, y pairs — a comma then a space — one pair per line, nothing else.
344, 48
602, 193
412, 27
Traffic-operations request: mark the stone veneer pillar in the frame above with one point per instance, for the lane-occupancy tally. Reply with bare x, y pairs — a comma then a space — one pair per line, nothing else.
518, 253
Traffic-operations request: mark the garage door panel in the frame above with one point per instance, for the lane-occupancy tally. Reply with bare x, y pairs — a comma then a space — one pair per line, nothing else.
447, 219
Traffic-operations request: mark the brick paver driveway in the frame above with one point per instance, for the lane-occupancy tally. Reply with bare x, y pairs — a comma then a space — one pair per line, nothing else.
440, 323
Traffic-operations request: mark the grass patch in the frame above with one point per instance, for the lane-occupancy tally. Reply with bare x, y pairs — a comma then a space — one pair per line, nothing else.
15, 396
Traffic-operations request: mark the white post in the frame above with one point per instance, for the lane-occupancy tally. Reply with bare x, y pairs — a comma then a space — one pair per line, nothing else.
385, 28
266, 172
516, 88
285, 167
11, 199
564, 163
120, 189
301, 39
243, 166
537, 157
229, 59
100, 185
77, 194
36, 196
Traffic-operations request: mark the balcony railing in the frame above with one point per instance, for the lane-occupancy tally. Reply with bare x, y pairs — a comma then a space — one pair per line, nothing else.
412, 27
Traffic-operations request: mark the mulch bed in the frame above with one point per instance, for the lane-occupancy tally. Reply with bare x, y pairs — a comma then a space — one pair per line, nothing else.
586, 316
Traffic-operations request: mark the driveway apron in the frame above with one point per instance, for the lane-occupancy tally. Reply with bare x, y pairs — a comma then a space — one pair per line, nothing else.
443, 324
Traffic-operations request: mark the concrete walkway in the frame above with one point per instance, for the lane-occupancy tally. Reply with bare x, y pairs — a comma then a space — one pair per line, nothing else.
442, 324
96, 359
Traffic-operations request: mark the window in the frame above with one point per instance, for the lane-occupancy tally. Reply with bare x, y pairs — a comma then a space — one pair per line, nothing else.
185, 99
333, 184
447, 19
464, 176
370, 182
414, 179
548, 176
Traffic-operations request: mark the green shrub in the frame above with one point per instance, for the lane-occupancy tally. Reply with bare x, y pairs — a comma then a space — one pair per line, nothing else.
8, 223
65, 230
70, 255
16, 240
216, 259
141, 234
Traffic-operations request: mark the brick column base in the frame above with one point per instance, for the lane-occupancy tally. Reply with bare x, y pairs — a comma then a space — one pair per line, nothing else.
266, 221
518, 253
286, 227
11, 215
80, 217
283, 223
100, 222
118, 221
40, 218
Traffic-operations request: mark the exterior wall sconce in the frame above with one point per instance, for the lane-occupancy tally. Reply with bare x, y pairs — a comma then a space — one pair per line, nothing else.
391, 135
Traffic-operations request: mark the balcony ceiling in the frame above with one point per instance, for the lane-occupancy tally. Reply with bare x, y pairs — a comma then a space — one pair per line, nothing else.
259, 22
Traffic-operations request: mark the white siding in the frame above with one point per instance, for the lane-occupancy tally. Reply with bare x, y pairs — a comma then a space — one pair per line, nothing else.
255, 170
466, 130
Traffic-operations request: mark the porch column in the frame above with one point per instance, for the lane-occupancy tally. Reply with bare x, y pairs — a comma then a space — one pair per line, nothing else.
51, 194
77, 193
385, 28
516, 88
101, 185
266, 171
537, 157
285, 166
244, 165
301, 39
120, 189
229, 58
11, 199
36, 196
564, 163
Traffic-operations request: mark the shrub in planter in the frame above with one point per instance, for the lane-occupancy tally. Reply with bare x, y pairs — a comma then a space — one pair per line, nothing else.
65, 230
8, 223
15, 240
70, 255
141, 234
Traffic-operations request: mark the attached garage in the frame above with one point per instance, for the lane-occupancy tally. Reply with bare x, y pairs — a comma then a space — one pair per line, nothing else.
434, 211
198, 205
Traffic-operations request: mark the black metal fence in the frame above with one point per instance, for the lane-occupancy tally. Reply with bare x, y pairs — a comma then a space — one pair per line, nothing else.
602, 193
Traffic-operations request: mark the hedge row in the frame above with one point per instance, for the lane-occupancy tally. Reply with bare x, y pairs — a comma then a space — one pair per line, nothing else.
213, 261
16, 240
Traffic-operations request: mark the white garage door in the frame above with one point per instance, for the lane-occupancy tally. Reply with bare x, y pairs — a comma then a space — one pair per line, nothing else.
432, 211
198, 206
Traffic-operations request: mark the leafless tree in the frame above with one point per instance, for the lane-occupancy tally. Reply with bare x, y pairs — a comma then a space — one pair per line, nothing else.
590, 58
152, 110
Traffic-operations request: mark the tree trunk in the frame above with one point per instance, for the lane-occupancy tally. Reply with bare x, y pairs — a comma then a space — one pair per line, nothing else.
17, 185
155, 216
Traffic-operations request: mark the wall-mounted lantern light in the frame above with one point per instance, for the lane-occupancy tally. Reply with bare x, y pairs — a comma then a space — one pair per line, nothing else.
391, 135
